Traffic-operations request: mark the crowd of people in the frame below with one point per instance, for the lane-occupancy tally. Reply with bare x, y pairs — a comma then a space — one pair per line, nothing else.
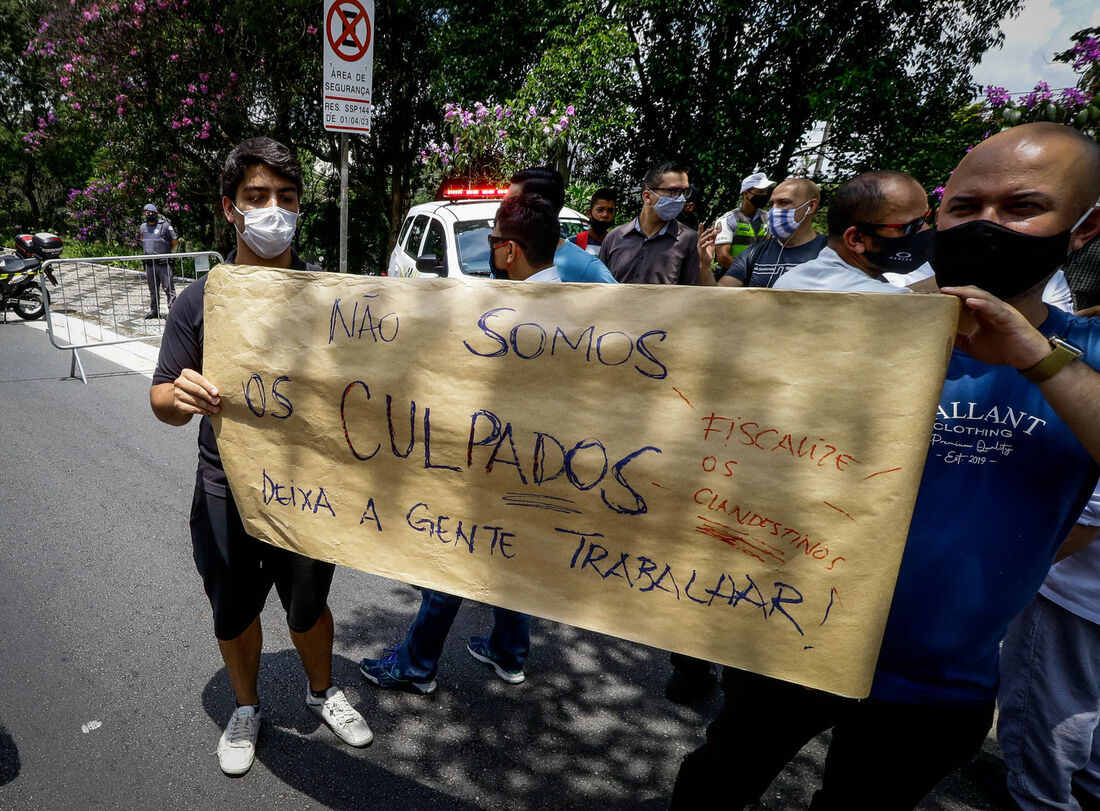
982, 538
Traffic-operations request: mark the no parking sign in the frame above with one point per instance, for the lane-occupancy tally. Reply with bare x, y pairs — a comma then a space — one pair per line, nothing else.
349, 60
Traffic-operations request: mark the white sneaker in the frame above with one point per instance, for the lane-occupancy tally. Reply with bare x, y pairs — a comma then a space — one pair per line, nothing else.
237, 747
342, 718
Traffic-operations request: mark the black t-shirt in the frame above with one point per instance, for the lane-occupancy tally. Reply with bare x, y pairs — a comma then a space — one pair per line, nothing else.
763, 263
181, 348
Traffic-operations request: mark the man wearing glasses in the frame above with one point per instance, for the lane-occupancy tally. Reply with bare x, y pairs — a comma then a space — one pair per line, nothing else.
654, 248
878, 223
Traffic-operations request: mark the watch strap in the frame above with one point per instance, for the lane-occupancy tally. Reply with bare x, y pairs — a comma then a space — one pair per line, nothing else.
1062, 354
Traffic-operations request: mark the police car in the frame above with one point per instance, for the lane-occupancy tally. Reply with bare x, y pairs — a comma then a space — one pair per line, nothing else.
449, 236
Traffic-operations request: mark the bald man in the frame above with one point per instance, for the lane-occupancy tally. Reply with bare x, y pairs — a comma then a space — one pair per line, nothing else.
792, 239
1012, 463
878, 223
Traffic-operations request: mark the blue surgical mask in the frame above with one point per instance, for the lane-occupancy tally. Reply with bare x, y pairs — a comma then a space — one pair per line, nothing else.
782, 222
669, 208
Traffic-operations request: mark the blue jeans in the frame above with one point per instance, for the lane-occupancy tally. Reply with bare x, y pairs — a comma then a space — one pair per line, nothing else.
418, 656
1050, 706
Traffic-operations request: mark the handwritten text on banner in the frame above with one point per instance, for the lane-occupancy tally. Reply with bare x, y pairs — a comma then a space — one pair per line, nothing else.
725, 473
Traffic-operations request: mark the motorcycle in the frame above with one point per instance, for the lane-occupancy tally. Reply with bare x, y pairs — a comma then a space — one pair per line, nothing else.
19, 289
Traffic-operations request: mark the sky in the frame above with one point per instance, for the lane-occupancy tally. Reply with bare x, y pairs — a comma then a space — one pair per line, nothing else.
1041, 30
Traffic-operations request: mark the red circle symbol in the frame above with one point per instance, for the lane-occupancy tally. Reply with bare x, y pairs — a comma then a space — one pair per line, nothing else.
348, 30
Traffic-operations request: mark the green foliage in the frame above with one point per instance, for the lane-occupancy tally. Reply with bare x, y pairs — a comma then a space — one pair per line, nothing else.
34, 179
491, 144
932, 153
586, 64
162, 89
730, 88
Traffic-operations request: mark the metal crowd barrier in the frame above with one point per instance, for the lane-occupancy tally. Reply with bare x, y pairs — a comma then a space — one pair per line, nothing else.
98, 301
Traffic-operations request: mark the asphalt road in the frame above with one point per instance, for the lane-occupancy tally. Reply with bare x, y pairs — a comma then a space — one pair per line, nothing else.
116, 694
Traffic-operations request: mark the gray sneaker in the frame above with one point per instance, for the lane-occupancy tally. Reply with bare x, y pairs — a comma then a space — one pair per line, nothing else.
237, 747
342, 718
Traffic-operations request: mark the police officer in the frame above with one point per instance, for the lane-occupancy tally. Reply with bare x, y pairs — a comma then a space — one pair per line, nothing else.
746, 224
157, 236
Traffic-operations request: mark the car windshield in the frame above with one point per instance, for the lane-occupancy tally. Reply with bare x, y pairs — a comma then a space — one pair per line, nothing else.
473, 246
473, 243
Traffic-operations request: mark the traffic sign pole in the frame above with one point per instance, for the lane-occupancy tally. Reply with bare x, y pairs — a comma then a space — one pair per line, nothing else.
343, 202
346, 100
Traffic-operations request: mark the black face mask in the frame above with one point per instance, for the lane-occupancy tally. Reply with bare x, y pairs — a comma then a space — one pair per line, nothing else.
759, 200
151, 219
495, 270
900, 254
598, 227
999, 260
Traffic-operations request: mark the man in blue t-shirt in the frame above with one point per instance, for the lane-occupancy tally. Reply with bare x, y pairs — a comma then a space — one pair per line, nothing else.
574, 264
1012, 462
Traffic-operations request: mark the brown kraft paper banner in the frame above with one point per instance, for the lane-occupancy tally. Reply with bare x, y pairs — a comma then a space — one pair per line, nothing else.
725, 473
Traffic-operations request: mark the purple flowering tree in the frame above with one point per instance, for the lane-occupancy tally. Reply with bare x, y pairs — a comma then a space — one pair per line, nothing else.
491, 142
1077, 106
168, 86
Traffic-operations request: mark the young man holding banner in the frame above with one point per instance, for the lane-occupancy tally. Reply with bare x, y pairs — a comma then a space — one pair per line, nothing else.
1012, 463
260, 187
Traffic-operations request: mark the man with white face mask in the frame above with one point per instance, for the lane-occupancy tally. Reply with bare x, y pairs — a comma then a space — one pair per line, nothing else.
792, 241
260, 188
654, 248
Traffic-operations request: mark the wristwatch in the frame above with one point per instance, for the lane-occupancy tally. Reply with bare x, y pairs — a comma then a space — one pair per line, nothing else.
1062, 355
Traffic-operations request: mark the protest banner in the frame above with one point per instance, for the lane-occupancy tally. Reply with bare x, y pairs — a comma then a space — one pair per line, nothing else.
725, 473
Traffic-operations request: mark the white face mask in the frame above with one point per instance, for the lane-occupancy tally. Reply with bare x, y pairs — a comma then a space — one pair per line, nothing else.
267, 231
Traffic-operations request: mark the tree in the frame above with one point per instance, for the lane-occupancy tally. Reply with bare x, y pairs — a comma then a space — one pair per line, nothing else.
34, 178
1076, 106
765, 75
168, 86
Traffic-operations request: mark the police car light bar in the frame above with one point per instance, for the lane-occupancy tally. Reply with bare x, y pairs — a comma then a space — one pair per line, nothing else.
460, 190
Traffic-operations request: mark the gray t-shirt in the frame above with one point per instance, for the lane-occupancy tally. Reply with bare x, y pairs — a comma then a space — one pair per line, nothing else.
830, 272
762, 265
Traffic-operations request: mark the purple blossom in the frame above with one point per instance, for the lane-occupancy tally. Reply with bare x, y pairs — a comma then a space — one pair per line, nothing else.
997, 96
1073, 97
1087, 52
570, 110
1040, 93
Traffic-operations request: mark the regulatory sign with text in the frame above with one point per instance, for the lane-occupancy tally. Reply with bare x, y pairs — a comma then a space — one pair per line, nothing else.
349, 59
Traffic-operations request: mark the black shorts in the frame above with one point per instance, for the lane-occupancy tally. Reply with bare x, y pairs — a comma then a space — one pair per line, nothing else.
238, 570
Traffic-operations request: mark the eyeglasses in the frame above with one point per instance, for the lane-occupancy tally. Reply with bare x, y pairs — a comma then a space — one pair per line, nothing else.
496, 242
675, 191
906, 228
